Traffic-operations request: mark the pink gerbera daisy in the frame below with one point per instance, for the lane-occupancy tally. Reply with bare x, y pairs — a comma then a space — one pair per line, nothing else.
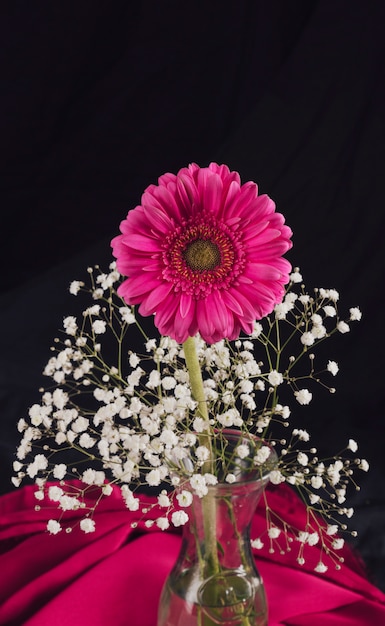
204, 254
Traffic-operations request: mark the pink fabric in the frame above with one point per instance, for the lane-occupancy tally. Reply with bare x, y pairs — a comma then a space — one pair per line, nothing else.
115, 575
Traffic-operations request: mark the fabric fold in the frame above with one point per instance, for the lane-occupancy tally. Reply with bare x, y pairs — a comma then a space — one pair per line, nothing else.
115, 575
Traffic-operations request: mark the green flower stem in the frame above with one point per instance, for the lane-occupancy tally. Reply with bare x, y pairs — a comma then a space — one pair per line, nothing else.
208, 504
198, 393
195, 374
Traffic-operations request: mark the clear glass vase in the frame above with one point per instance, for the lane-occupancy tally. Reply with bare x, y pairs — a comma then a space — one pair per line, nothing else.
215, 580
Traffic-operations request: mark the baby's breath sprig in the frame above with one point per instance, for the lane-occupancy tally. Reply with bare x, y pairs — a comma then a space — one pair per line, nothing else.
114, 416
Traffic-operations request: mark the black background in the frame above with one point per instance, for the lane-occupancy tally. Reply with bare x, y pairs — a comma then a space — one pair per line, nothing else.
100, 98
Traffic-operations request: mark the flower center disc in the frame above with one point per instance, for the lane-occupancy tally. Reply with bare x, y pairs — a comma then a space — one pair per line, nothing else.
202, 254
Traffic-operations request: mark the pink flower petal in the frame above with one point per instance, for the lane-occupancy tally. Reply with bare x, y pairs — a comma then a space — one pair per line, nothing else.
232, 303
205, 321
143, 243
158, 218
186, 306
137, 286
154, 298
214, 191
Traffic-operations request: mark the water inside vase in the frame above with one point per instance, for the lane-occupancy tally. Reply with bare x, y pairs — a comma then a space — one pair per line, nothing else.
228, 599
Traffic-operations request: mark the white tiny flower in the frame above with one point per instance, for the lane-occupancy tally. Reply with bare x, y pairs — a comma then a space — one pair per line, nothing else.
290, 298
134, 360
169, 438
248, 401
364, 465
150, 345
276, 477
107, 489
302, 458
92, 310
199, 485
275, 378
257, 330
332, 529
338, 544
87, 525
59, 398
127, 315
53, 527
39, 495
302, 435
246, 386
333, 295
200, 425
162, 523
55, 493
257, 544
307, 338
313, 539
85, 441
352, 445
80, 424
163, 500
210, 479
242, 451
355, 314
321, 568
153, 478
60, 471
184, 498
70, 325
274, 532
75, 287
153, 379
179, 518
69, 503
41, 462
313, 498
21, 425
316, 482
202, 453
334, 475
168, 382
131, 502
303, 396
332, 367
262, 455
343, 327
230, 478
283, 410
99, 327
330, 310
281, 310
229, 418
318, 331
296, 276
88, 476
60, 438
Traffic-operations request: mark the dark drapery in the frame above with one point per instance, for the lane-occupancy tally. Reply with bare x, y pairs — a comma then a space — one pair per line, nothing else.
98, 99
